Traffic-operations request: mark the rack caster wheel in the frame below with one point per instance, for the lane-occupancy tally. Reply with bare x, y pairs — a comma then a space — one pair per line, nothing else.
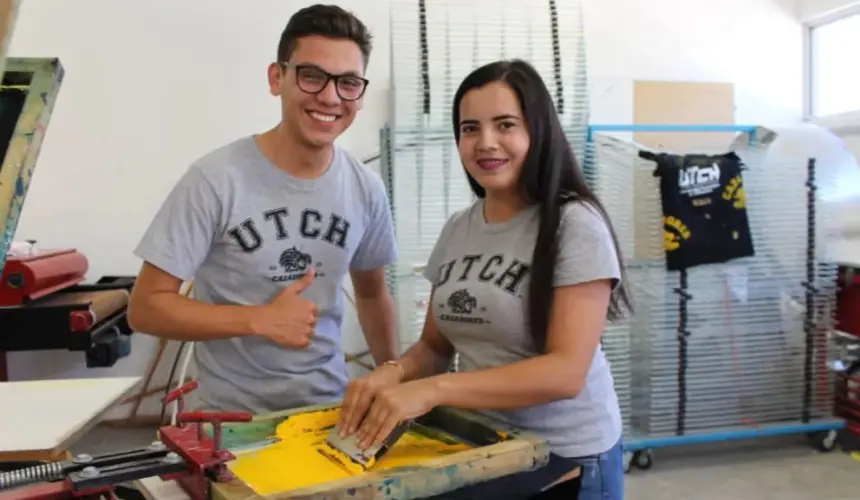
824, 441
643, 459
628, 461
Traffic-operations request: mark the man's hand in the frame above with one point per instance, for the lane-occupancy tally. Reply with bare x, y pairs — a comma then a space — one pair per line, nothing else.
361, 392
289, 319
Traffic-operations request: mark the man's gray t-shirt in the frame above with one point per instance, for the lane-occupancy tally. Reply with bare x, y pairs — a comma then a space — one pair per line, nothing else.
480, 272
242, 230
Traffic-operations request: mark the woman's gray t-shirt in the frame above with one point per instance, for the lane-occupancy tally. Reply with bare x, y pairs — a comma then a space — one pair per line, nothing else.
480, 272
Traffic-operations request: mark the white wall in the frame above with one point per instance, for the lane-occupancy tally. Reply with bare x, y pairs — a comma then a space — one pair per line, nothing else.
705, 40
845, 125
149, 88
811, 9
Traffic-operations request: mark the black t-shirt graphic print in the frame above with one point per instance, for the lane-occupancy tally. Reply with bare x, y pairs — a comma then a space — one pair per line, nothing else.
704, 208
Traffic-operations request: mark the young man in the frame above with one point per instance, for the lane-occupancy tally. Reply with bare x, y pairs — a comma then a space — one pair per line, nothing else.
267, 227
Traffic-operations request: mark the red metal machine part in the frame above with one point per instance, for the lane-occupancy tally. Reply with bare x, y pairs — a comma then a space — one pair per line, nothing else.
848, 400
202, 457
848, 301
191, 442
61, 490
848, 322
31, 277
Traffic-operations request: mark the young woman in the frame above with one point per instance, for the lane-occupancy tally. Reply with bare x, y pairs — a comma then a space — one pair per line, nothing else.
523, 283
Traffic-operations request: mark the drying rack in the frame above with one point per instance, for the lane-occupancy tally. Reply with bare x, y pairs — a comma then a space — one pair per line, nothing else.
676, 375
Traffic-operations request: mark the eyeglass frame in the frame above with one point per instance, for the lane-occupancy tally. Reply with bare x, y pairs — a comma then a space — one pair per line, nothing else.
328, 78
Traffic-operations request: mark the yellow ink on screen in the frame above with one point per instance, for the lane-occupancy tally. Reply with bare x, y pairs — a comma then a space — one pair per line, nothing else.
302, 458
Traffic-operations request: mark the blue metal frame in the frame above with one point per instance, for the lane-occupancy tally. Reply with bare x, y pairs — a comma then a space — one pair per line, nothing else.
589, 166
750, 129
634, 443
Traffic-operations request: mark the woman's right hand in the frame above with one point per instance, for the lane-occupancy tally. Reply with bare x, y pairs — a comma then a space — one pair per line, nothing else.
361, 392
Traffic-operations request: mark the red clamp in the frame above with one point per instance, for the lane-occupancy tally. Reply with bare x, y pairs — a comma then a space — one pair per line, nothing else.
177, 395
190, 441
203, 459
216, 418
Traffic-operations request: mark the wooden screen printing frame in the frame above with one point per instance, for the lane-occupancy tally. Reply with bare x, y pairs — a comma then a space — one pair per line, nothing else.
43, 77
499, 451
8, 16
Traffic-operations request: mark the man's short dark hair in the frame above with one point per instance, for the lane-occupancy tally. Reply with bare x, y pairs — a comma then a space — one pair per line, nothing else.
329, 21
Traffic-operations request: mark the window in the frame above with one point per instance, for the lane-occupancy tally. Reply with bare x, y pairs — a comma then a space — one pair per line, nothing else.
834, 77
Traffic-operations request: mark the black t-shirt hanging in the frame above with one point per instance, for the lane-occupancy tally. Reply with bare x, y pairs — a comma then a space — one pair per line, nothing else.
704, 208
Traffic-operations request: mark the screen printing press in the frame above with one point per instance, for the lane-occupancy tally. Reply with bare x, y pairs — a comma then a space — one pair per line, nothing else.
44, 304
237, 456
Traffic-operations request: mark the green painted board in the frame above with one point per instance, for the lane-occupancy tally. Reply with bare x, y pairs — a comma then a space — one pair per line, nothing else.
498, 451
27, 95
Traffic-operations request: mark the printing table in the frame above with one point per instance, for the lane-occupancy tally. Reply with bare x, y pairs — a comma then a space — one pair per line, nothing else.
41, 419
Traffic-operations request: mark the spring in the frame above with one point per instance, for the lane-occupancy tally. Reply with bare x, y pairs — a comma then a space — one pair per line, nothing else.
36, 474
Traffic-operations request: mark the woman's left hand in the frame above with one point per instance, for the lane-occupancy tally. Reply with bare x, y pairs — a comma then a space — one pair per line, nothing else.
394, 405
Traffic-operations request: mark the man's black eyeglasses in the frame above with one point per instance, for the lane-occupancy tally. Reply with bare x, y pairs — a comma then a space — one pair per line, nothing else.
313, 80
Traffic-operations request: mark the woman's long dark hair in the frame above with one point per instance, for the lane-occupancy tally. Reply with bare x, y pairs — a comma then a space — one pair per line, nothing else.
550, 177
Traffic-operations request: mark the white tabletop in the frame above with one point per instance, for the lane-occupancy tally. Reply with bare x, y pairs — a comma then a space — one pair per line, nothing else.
46, 414
154, 488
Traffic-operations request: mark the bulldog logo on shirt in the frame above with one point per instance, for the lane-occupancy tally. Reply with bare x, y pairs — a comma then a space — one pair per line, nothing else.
461, 302
294, 263
460, 307
294, 260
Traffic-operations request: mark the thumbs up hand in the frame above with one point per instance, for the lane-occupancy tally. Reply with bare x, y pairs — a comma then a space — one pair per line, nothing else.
288, 319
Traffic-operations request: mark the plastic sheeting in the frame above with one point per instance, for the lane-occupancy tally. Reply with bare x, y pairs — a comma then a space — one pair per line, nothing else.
838, 179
